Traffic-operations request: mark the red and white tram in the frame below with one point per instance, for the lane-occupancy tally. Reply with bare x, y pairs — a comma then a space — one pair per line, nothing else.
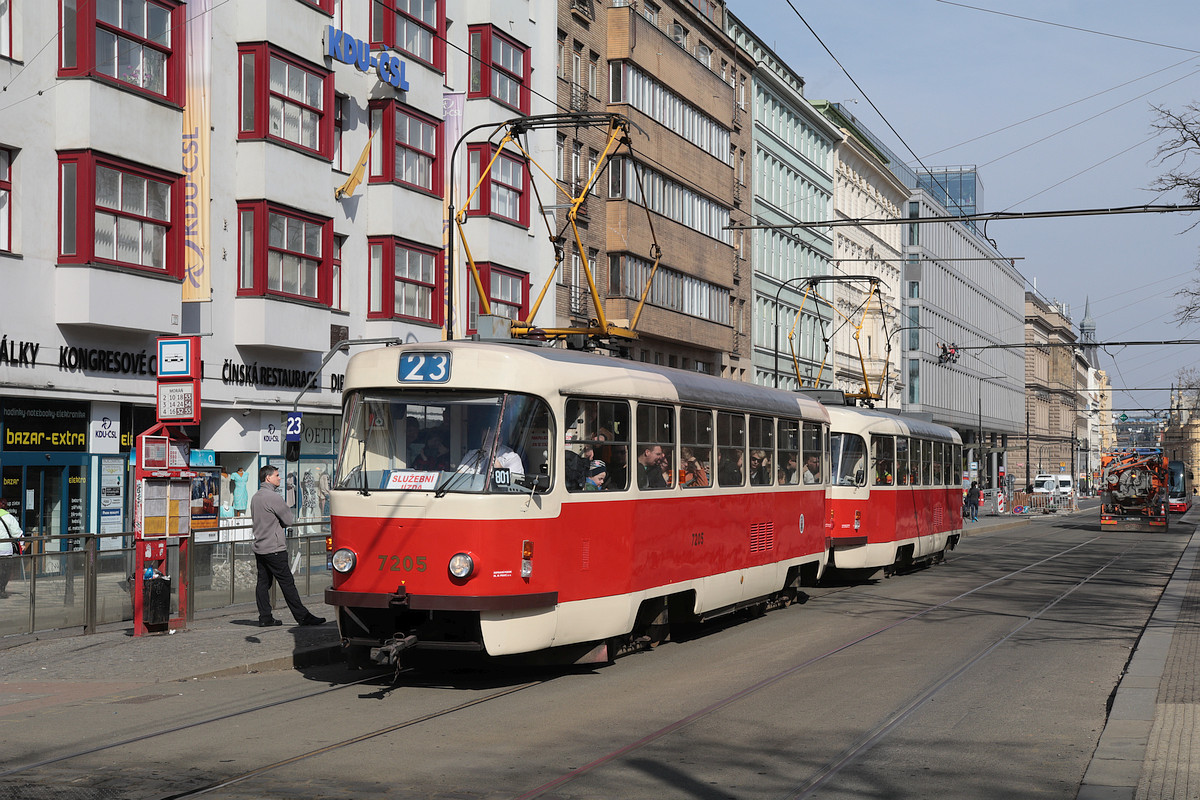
506, 498
896, 495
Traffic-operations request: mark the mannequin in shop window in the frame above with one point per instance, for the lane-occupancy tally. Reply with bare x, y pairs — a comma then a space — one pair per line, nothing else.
241, 494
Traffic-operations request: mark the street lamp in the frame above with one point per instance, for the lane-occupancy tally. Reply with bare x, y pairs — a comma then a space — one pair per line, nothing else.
979, 440
888, 357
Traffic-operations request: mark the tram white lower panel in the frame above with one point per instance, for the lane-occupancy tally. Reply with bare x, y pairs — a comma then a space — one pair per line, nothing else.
865, 556
509, 632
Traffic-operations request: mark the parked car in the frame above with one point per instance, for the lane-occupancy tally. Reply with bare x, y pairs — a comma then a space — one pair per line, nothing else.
1045, 484
1065, 485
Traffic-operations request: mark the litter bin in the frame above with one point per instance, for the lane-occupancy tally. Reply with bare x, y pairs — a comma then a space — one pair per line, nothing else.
156, 601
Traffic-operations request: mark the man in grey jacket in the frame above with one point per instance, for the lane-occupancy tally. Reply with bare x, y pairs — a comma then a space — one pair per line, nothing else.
271, 516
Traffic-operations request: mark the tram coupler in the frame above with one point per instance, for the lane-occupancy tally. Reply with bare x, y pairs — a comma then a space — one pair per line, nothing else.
389, 652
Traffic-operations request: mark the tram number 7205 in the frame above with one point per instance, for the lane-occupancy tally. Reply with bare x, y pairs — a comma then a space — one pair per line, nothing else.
402, 563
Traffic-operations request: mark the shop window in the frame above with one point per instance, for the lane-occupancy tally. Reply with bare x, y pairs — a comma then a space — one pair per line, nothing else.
119, 213
500, 68
508, 294
135, 44
504, 190
285, 99
410, 151
284, 252
415, 27
405, 281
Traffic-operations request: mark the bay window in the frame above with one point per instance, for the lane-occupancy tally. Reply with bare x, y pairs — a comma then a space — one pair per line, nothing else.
508, 294
405, 281
500, 68
408, 147
118, 213
132, 43
285, 99
284, 252
414, 27
504, 192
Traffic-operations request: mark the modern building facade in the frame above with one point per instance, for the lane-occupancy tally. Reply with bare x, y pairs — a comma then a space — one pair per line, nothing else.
188, 168
792, 164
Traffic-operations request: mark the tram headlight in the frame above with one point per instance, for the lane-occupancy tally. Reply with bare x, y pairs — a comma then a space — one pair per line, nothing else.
462, 565
343, 560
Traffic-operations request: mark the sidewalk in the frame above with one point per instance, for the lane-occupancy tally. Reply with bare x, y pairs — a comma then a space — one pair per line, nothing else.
224, 642
1150, 746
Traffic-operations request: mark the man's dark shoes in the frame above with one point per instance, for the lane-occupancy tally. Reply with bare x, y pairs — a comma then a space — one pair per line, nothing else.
269, 623
312, 619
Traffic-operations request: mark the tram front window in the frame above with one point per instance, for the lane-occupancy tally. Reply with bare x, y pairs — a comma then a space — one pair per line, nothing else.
849, 454
445, 442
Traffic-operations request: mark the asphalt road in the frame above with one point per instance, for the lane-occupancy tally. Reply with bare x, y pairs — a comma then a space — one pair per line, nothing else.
986, 677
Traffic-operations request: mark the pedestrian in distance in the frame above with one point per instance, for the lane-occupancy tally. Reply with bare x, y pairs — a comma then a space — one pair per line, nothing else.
973, 501
271, 516
10, 532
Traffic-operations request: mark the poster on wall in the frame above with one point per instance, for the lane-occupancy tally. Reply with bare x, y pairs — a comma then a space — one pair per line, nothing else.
112, 502
206, 493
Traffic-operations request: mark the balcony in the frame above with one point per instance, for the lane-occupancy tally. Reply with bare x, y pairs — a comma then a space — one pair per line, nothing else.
103, 298
280, 325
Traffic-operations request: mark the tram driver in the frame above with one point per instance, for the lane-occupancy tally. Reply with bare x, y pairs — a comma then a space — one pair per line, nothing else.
482, 426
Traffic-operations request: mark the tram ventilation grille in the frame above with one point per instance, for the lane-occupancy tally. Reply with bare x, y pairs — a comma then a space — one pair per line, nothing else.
585, 554
762, 537
937, 515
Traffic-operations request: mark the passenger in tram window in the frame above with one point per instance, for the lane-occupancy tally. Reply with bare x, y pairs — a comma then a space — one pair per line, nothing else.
435, 455
760, 468
883, 472
597, 474
781, 477
729, 470
792, 470
691, 473
650, 467
618, 468
812, 469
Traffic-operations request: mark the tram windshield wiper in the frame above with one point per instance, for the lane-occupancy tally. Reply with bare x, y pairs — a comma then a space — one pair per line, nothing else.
470, 467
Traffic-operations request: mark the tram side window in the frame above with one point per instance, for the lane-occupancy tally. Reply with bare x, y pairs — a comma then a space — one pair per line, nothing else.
731, 449
814, 462
762, 451
596, 438
789, 451
696, 448
655, 446
926, 463
848, 452
956, 465
938, 456
903, 464
885, 458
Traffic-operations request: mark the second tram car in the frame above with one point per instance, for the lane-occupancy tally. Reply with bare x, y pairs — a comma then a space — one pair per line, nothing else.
504, 498
1179, 487
896, 495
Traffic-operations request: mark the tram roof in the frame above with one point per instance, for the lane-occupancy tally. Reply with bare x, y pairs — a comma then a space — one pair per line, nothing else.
504, 366
884, 422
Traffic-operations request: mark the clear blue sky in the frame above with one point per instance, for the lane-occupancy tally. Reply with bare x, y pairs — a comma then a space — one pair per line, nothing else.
1051, 99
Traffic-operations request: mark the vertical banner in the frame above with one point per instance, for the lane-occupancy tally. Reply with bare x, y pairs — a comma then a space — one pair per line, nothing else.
453, 104
197, 284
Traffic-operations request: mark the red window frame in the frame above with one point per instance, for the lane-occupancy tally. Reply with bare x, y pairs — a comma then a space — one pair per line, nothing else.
486, 271
255, 248
385, 16
82, 34
6, 158
384, 121
79, 207
381, 294
254, 112
483, 55
482, 203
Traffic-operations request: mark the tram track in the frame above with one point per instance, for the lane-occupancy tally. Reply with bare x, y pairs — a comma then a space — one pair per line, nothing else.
865, 743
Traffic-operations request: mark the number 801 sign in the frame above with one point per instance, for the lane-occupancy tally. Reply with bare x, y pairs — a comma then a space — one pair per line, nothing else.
424, 368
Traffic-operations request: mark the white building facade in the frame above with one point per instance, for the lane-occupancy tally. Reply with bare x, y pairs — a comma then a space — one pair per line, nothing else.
152, 150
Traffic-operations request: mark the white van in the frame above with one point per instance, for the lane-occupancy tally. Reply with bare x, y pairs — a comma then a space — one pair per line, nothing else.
1065, 486
1045, 484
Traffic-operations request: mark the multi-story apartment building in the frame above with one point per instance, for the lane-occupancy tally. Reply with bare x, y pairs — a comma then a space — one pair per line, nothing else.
868, 305
171, 167
672, 71
1056, 395
792, 163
